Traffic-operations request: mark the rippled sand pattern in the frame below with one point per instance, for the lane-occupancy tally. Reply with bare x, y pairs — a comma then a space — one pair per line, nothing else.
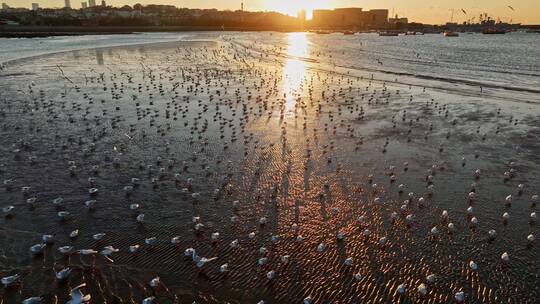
230, 134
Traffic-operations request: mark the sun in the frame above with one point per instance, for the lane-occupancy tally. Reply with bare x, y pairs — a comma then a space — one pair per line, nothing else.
292, 7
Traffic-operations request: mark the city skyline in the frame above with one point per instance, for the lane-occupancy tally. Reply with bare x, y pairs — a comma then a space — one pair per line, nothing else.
436, 12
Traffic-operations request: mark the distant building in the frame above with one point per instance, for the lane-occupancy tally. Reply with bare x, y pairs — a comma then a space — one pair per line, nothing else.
340, 17
84, 5
103, 4
349, 18
302, 15
5, 6
35, 6
91, 3
67, 3
377, 17
397, 20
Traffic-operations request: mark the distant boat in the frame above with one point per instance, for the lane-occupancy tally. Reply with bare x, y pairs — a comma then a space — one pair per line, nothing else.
388, 34
348, 33
493, 32
451, 34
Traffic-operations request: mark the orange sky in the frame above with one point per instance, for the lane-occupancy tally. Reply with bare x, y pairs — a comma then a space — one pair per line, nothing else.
432, 11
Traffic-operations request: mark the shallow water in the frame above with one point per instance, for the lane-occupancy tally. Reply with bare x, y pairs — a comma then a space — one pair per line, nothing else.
230, 114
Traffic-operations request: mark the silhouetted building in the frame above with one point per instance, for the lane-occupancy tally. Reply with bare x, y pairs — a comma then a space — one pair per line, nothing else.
5, 6
35, 6
84, 5
397, 20
302, 15
349, 18
376, 18
103, 3
67, 3
91, 3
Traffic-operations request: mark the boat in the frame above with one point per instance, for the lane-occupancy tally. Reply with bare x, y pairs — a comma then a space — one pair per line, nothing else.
451, 34
348, 33
388, 34
493, 32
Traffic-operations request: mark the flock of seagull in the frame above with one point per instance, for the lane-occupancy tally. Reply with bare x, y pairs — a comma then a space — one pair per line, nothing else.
152, 102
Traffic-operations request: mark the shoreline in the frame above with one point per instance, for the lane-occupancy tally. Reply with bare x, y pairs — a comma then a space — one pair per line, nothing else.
47, 31
136, 44
55, 34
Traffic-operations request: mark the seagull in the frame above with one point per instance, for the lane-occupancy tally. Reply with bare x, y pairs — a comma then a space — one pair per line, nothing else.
473, 265
10, 280
8, 211
32, 300
87, 252
154, 282
422, 289
63, 274
224, 268
108, 250
58, 201
37, 249
98, 236
90, 204
65, 250
77, 297
459, 296
63, 215
150, 241
201, 261
134, 248
74, 233
148, 300
47, 238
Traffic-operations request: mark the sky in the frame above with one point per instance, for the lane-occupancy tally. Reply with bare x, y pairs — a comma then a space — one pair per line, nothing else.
426, 11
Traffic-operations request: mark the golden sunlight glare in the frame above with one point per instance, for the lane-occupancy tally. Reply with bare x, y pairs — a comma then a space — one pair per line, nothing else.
295, 67
292, 7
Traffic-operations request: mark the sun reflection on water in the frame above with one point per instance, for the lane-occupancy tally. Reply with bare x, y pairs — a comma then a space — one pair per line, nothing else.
295, 67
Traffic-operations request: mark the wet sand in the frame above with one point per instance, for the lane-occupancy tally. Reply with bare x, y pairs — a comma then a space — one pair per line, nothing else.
218, 131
